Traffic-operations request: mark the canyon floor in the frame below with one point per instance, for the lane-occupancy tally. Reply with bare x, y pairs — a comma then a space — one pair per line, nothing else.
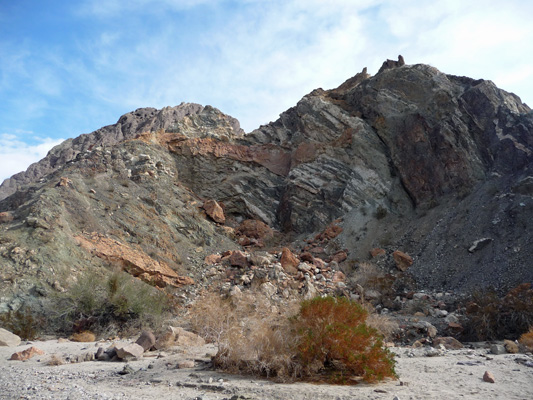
450, 374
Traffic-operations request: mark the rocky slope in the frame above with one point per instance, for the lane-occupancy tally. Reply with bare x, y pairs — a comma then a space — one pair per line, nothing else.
411, 159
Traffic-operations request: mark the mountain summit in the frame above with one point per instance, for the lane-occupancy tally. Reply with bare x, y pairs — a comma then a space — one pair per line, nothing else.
414, 161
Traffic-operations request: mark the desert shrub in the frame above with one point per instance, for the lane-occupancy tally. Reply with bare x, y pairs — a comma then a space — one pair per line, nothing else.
337, 344
526, 339
491, 317
116, 302
23, 322
326, 340
381, 212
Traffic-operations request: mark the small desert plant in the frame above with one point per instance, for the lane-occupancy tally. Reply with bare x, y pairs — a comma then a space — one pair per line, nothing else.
99, 303
491, 317
526, 339
335, 342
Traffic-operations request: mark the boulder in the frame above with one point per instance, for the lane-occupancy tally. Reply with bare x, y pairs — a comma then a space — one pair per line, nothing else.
166, 340
8, 339
186, 338
26, 354
146, 340
488, 377
510, 346
5, 217
238, 259
289, 261
213, 209
402, 260
128, 351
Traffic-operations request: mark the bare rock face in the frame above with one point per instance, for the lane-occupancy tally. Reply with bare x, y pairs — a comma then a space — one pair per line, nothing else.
410, 158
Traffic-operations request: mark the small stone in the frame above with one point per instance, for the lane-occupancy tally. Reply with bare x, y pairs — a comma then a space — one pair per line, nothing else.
488, 377
377, 252
126, 370
186, 364
5, 217
238, 259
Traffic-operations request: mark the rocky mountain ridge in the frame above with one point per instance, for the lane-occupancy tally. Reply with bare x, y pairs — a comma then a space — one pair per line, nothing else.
411, 159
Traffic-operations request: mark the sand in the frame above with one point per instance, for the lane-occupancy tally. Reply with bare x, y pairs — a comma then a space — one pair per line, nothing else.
450, 374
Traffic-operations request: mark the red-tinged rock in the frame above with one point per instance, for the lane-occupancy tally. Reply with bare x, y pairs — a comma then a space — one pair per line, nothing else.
455, 327
64, 182
488, 377
317, 250
306, 256
213, 259
339, 257
319, 263
26, 354
331, 232
254, 229
403, 260
289, 261
238, 259
377, 252
338, 276
5, 216
213, 209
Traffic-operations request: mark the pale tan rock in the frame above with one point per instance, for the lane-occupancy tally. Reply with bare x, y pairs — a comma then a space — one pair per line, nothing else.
127, 351
8, 339
511, 347
85, 336
5, 217
448, 342
186, 338
212, 259
166, 340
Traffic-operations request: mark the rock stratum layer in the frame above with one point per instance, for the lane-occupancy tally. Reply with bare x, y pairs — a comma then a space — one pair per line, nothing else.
411, 159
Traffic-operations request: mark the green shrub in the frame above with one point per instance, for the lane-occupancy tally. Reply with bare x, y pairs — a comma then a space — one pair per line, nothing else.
491, 317
337, 344
116, 303
22, 322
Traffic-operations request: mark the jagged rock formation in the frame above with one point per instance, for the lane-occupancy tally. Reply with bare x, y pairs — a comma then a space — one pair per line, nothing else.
410, 159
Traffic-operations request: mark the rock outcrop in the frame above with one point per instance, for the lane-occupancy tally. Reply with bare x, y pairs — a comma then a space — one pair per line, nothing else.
411, 159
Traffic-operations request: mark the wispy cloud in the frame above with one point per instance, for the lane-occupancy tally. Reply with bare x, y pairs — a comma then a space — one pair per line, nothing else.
17, 155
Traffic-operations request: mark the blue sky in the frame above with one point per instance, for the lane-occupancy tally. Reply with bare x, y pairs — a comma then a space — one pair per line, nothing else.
71, 67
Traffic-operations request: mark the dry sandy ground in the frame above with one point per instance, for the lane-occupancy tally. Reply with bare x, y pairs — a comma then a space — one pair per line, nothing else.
453, 374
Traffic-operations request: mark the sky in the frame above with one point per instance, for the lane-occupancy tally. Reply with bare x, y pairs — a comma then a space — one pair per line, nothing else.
71, 67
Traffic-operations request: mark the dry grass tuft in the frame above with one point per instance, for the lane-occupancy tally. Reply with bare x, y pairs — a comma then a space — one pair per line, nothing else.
85, 336
55, 360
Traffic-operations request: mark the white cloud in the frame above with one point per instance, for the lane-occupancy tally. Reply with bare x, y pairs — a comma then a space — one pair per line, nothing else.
16, 155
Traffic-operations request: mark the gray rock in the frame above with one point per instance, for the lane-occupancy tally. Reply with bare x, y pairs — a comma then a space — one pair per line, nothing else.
497, 349
146, 340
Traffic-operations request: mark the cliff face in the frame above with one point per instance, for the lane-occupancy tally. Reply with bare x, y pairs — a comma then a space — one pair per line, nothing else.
436, 165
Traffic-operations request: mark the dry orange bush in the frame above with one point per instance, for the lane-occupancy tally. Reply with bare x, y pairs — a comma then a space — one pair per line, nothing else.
527, 339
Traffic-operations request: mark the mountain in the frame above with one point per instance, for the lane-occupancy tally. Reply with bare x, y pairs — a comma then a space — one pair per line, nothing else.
439, 167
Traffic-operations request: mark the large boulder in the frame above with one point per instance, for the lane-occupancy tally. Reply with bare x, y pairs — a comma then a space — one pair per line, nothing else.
8, 339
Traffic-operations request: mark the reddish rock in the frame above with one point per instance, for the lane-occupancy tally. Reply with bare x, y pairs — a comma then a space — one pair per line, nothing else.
377, 252
331, 232
26, 354
212, 259
306, 256
340, 256
254, 229
134, 261
403, 260
213, 209
146, 340
319, 263
488, 377
448, 342
338, 276
455, 327
238, 259
289, 261
5, 217
317, 250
